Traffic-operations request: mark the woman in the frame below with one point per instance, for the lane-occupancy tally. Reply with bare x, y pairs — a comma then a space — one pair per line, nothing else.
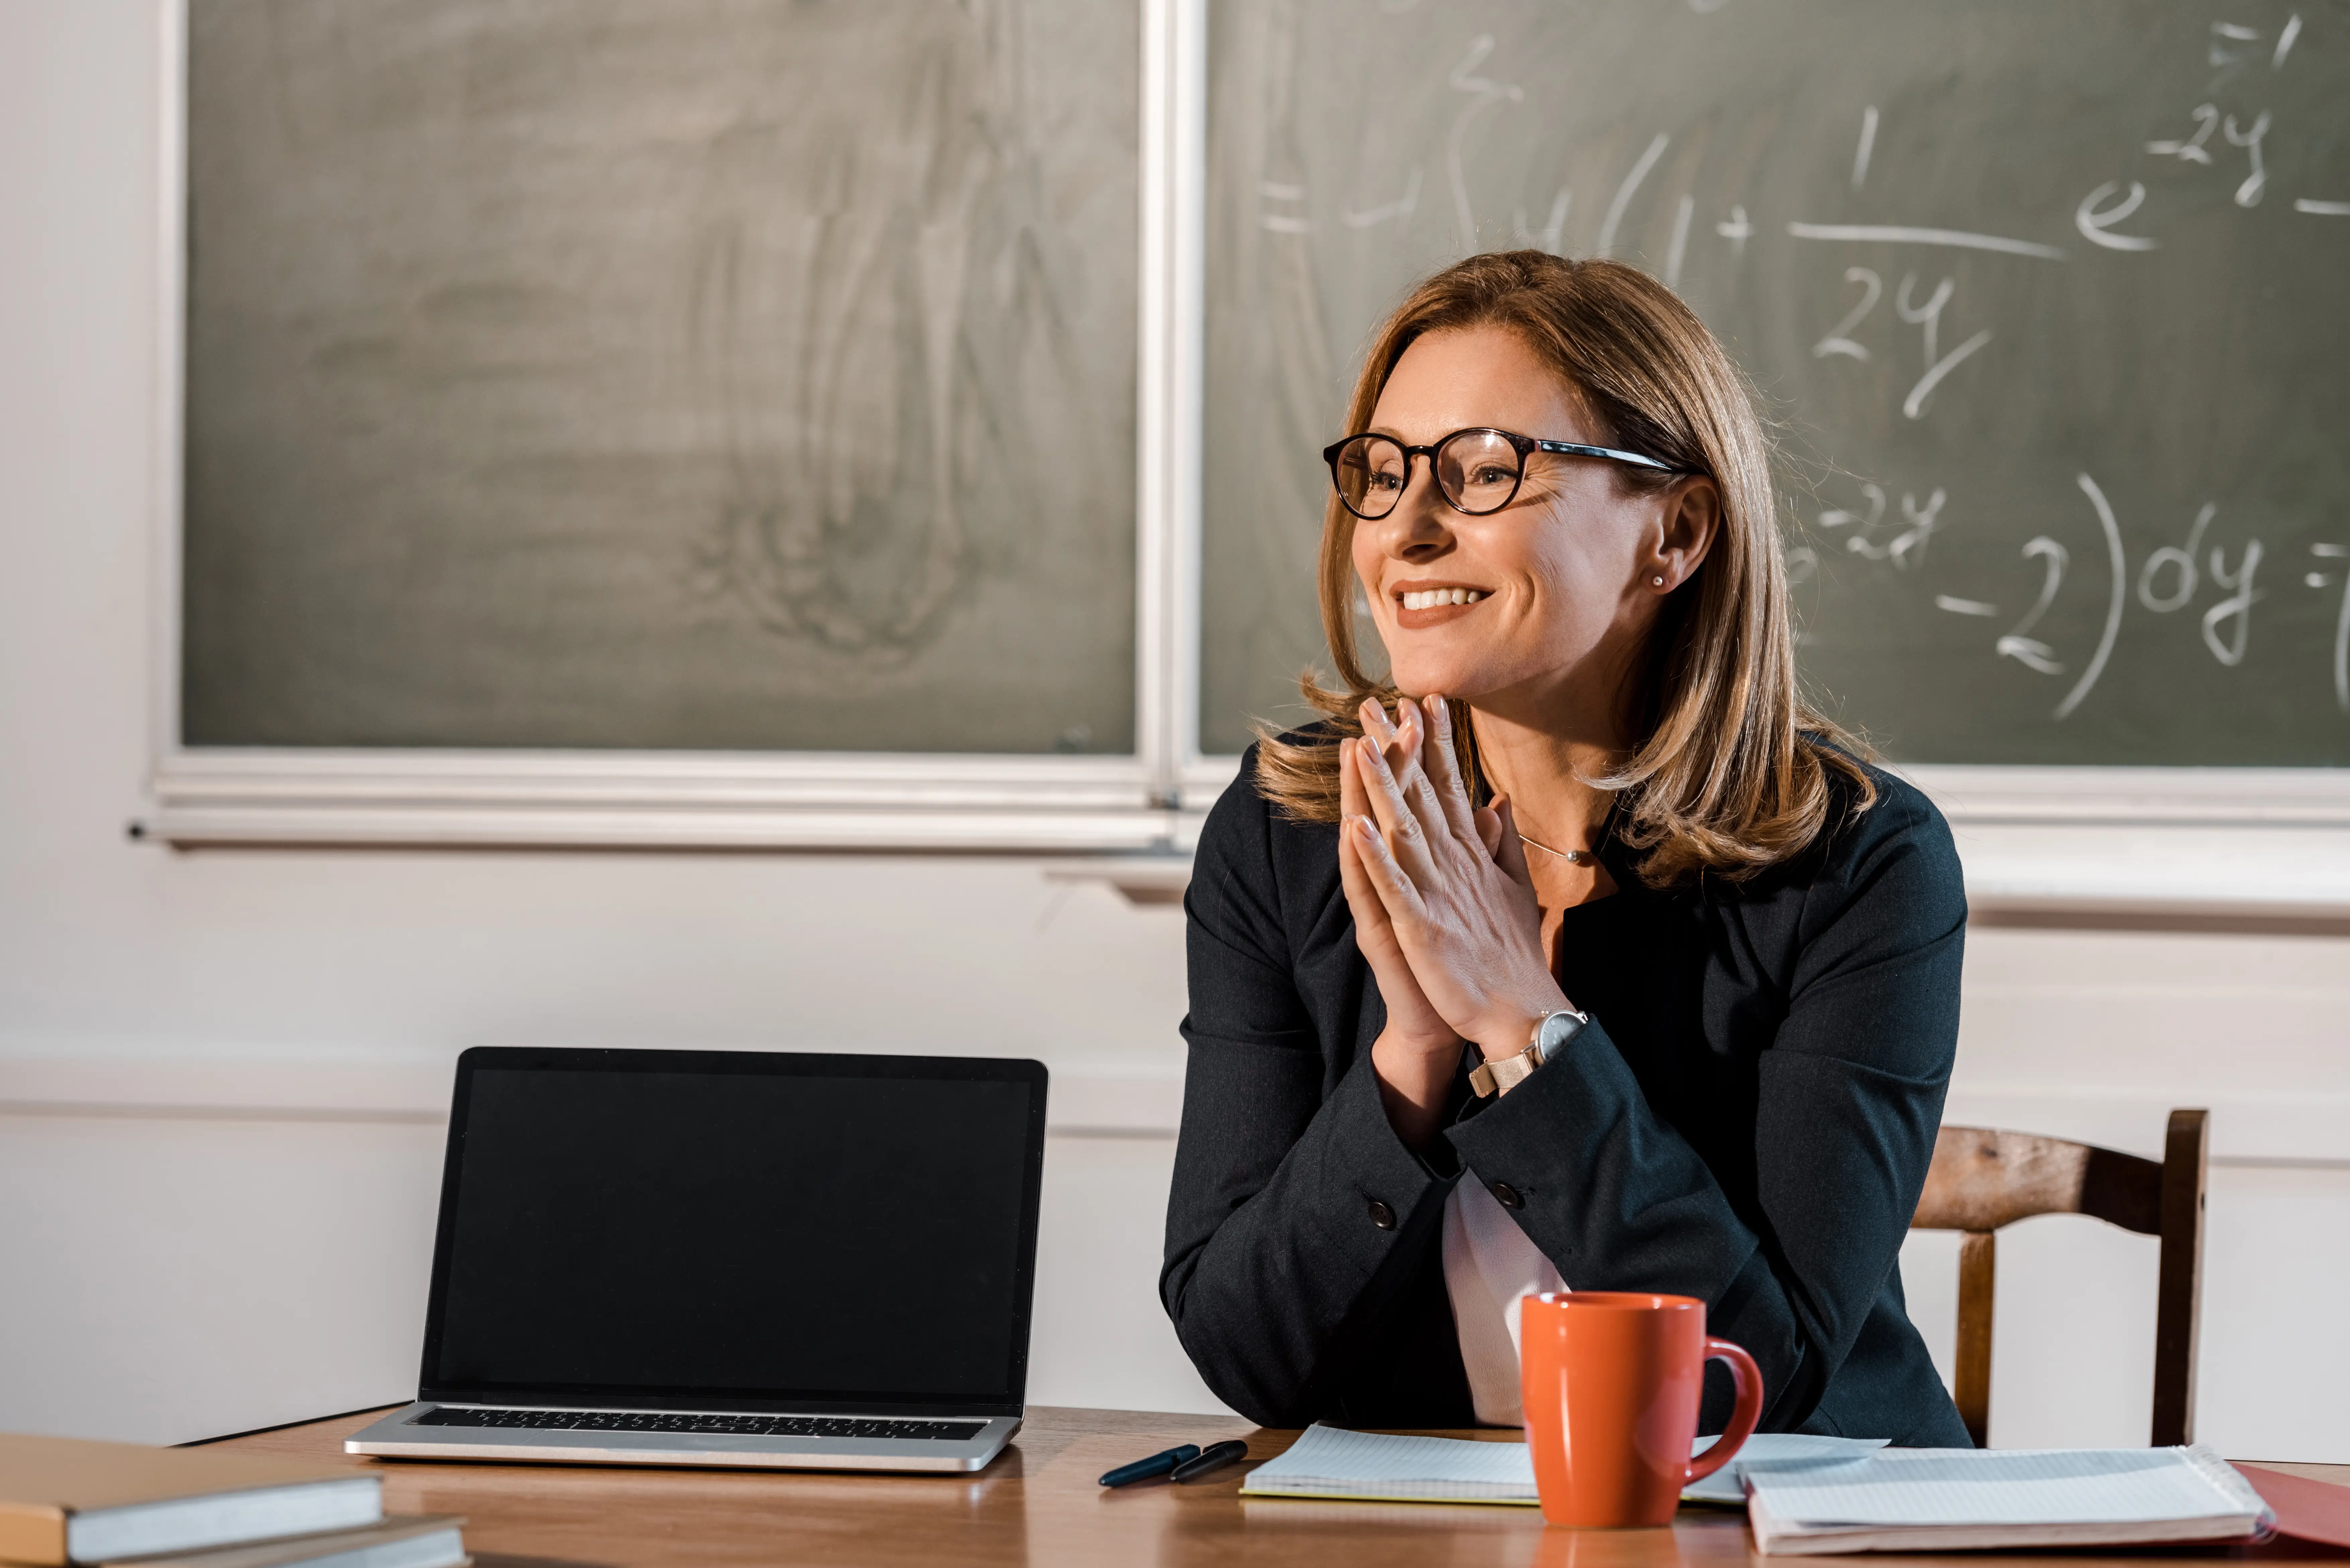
1578, 953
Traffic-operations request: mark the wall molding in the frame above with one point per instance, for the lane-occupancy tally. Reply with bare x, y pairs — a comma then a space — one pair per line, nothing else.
1092, 1100
2254, 1130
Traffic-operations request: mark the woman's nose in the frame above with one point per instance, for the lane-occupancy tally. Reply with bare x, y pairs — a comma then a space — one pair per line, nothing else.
1418, 524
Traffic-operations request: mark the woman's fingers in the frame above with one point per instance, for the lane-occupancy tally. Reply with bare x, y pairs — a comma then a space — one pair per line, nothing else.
1354, 806
1420, 790
1441, 762
1406, 836
1380, 729
1395, 890
1407, 1006
1410, 736
1370, 915
1489, 831
1369, 763
1415, 799
1354, 801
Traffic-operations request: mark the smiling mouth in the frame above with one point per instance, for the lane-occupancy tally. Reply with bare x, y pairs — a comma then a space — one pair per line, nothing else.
1419, 608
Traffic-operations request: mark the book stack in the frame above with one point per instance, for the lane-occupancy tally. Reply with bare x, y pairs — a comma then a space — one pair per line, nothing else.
1955, 1499
64, 1501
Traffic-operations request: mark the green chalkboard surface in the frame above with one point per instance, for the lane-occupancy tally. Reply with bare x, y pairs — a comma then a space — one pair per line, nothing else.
2051, 303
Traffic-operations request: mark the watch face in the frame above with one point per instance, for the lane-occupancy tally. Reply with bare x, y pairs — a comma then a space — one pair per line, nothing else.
1557, 1030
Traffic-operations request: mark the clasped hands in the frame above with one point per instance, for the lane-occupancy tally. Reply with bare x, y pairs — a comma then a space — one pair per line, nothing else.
1444, 909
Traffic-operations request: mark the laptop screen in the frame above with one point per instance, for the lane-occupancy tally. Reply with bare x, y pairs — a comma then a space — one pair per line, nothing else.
729, 1230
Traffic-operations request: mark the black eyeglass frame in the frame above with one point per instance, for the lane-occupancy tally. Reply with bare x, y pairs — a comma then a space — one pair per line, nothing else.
1525, 444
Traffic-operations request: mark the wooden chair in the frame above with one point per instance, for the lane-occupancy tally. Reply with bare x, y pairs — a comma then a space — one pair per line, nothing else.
1982, 1179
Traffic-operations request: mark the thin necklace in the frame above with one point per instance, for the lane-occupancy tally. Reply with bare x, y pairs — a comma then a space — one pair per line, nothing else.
1572, 856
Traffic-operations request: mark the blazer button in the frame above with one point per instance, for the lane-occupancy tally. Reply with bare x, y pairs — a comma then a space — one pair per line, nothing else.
1382, 1216
1507, 1196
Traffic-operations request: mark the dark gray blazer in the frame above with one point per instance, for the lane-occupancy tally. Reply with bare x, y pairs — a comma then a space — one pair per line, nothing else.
1748, 1120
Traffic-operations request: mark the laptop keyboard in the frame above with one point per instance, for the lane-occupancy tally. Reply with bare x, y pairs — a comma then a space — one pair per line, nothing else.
726, 1426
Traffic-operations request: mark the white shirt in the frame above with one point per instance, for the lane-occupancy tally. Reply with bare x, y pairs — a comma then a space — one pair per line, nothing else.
1490, 1267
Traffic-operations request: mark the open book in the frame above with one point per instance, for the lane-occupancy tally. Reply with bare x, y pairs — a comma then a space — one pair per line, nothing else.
1939, 1500
1332, 1462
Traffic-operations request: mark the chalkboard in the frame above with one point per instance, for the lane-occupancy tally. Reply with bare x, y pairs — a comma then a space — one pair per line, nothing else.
2050, 303
650, 373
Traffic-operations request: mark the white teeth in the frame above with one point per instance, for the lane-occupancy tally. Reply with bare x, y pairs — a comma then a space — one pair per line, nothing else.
1429, 598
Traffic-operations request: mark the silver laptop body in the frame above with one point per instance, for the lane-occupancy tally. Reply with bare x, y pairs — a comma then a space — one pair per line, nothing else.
742, 1259
696, 1437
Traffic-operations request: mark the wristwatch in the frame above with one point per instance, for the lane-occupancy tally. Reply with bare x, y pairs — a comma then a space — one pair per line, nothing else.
1551, 1035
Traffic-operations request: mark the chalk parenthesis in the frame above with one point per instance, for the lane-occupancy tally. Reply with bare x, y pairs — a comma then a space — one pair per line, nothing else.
2095, 224
2342, 649
2112, 609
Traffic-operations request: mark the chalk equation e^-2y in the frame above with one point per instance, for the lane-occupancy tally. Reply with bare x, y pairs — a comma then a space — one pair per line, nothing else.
2215, 133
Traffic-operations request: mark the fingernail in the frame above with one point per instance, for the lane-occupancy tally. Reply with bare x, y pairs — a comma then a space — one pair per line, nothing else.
1364, 831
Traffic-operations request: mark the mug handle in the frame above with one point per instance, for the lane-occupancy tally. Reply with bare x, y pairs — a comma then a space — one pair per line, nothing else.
1742, 1415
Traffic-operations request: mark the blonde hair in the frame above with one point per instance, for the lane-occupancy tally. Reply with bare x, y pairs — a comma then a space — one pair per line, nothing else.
1731, 770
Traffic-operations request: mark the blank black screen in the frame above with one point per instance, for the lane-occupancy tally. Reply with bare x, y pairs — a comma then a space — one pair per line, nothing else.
832, 1236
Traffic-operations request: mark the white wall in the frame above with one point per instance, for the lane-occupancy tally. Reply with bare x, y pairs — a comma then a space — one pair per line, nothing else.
2096, 1035
218, 1148
205, 1269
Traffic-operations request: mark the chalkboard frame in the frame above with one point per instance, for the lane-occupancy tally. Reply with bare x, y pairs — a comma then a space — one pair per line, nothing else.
2194, 827
219, 794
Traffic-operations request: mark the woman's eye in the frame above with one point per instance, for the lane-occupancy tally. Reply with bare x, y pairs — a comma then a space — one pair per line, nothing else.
1489, 474
1387, 481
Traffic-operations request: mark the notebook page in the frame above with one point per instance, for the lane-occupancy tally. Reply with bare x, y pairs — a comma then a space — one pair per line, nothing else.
1362, 1464
1378, 1464
1958, 1486
1784, 1450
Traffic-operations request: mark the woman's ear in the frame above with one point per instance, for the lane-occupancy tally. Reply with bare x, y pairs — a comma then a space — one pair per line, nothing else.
1690, 522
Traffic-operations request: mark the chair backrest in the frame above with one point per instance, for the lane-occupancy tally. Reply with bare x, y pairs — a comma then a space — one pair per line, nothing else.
1981, 1180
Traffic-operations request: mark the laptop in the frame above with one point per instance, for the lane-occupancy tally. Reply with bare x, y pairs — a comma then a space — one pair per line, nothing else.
730, 1257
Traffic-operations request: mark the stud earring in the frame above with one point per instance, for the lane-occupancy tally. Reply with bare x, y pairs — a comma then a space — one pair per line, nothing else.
1659, 581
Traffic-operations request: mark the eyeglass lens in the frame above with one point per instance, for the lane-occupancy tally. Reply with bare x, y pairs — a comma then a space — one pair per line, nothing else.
1478, 471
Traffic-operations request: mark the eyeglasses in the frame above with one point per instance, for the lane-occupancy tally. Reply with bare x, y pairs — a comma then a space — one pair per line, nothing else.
1478, 471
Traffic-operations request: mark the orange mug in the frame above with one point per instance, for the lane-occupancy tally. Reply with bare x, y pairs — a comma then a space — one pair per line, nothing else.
1612, 1381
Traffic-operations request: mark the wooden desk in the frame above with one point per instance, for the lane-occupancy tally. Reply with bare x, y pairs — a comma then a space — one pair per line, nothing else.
1038, 1504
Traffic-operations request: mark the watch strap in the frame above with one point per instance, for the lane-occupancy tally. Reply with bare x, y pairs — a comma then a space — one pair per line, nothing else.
1551, 1032
1491, 1077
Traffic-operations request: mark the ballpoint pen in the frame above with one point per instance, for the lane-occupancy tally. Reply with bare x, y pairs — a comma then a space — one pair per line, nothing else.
1157, 1464
1214, 1457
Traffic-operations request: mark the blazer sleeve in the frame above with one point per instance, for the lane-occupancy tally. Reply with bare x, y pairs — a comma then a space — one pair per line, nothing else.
1297, 1216
1849, 1099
